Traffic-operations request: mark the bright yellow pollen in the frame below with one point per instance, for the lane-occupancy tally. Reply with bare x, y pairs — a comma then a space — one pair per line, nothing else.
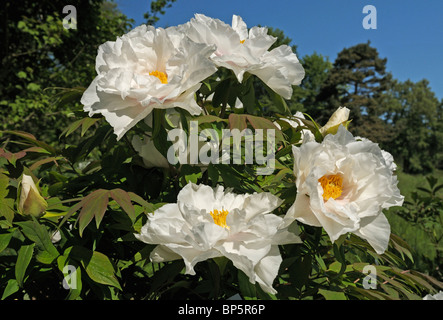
161, 75
242, 41
220, 217
332, 186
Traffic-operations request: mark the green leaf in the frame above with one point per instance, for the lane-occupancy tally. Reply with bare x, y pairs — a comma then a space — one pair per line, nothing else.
11, 288
237, 121
208, 119
221, 93
263, 123
6, 210
5, 238
22, 74
278, 101
247, 96
4, 182
247, 289
95, 205
40, 236
100, 269
32, 139
124, 201
75, 292
23, 259
72, 127
301, 270
213, 174
97, 265
221, 263
75, 288
87, 123
332, 295
191, 173
149, 207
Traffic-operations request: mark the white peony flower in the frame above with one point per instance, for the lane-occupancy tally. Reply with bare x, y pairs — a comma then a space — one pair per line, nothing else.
207, 223
437, 296
247, 52
343, 184
145, 69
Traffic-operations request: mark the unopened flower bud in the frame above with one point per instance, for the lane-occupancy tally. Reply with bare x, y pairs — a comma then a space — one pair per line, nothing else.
31, 202
340, 116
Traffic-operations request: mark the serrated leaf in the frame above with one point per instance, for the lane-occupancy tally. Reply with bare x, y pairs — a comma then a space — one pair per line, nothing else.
95, 205
265, 124
87, 123
136, 198
32, 139
237, 121
37, 164
208, 119
72, 127
124, 201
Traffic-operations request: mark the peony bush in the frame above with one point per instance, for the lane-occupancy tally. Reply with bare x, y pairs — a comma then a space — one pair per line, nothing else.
183, 187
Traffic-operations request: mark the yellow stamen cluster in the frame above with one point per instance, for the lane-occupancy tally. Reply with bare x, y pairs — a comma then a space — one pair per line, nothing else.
242, 41
220, 217
161, 75
332, 186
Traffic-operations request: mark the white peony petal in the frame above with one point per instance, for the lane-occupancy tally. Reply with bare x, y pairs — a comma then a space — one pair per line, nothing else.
377, 232
191, 229
367, 187
267, 269
301, 211
240, 27
260, 203
242, 52
163, 254
149, 153
147, 68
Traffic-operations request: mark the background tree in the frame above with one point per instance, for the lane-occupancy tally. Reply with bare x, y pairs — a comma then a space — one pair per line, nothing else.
357, 80
38, 55
317, 68
157, 7
416, 120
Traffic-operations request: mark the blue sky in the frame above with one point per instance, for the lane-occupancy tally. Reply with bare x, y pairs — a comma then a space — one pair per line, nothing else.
409, 32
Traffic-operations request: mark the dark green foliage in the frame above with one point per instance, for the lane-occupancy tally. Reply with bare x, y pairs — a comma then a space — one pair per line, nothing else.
40, 59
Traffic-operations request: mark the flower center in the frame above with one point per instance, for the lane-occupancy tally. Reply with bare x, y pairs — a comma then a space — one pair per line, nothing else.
332, 186
242, 41
160, 75
220, 217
